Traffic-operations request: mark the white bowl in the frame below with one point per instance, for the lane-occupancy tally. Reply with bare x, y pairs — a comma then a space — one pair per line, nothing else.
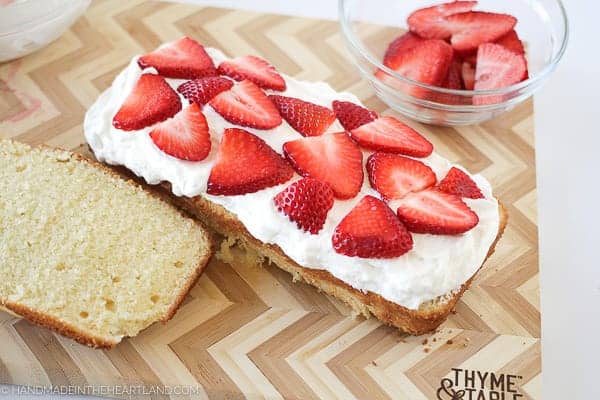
27, 25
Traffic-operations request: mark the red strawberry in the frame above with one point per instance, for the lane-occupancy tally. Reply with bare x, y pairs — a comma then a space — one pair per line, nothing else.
246, 164
436, 212
459, 183
470, 29
471, 57
246, 105
185, 136
400, 45
468, 75
430, 22
453, 78
202, 90
254, 69
306, 202
390, 135
151, 100
352, 115
497, 67
426, 62
512, 42
371, 230
333, 158
183, 59
307, 118
394, 176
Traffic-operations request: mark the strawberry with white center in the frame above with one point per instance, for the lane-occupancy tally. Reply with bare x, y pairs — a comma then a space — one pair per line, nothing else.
182, 59
394, 176
430, 22
459, 183
245, 104
497, 67
436, 212
202, 90
185, 136
371, 230
151, 100
307, 118
473, 28
246, 164
426, 62
332, 158
390, 135
351, 115
307, 203
254, 69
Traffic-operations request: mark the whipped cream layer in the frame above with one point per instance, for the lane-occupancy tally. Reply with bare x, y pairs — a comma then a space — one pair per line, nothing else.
437, 264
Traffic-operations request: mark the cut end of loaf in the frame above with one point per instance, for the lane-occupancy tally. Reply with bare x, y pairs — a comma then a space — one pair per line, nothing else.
87, 253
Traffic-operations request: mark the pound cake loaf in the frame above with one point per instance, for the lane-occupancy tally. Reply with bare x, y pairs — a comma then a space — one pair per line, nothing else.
356, 204
87, 253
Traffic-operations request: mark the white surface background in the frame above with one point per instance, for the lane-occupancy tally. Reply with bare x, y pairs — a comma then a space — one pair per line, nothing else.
568, 145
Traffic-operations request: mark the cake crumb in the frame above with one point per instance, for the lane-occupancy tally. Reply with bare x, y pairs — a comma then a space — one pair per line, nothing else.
434, 339
464, 345
449, 341
424, 342
374, 363
426, 349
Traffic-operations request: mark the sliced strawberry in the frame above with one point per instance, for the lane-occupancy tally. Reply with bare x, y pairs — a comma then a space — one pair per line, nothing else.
151, 100
202, 90
307, 118
185, 136
497, 67
183, 59
512, 42
246, 164
400, 45
389, 134
333, 158
453, 78
459, 183
254, 69
352, 115
430, 22
371, 230
436, 212
306, 202
470, 29
246, 105
471, 57
468, 75
394, 175
427, 62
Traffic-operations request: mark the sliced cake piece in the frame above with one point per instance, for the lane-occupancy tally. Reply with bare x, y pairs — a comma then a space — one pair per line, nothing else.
86, 253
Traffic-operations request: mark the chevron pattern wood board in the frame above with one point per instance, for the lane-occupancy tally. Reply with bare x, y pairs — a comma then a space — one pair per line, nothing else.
248, 332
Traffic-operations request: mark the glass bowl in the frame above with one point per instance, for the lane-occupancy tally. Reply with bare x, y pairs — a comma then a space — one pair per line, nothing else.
27, 25
369, 25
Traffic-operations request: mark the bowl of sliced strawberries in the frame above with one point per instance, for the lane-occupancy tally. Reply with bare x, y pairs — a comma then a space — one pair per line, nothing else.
455, 63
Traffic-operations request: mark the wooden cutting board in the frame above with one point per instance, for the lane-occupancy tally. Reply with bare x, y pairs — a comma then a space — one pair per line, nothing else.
252, 332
